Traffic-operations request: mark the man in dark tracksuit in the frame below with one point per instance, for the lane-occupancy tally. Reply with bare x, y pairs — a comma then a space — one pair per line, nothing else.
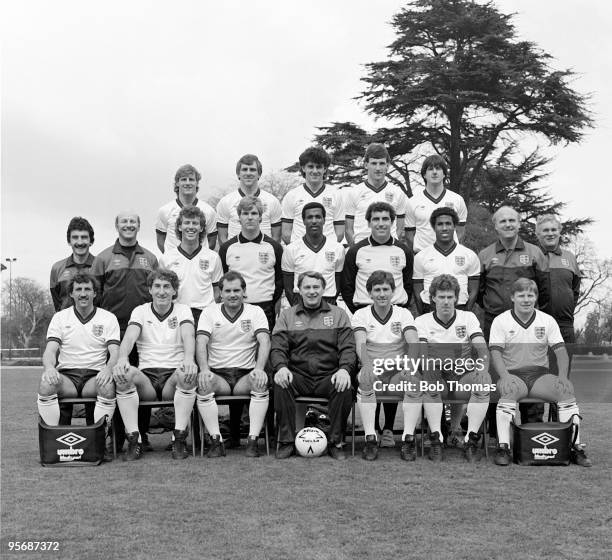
122, 271
313, 353
503, 262
80, 237
564, 283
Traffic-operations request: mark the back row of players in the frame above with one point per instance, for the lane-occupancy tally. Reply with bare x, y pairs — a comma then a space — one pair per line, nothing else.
312, 220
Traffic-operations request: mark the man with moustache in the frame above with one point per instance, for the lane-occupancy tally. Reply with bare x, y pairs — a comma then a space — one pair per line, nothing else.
186, 186
248, 170
80, 237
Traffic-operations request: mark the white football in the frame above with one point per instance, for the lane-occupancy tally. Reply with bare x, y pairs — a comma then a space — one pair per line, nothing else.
310, 442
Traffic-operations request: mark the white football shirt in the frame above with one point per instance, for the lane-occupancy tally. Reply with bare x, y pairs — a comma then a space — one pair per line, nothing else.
358, 198
419, 210
197, 274
168, 214
524, 345
83, 342
233, 340
460, 262
331, 199
227, 214
300, 256
160, 344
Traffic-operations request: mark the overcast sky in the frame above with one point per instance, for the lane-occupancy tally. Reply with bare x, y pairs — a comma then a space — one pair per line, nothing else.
101, 102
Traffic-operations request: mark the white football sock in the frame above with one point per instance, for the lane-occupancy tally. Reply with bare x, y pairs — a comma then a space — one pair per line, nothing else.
567, 409
504, 415
476, 412
257, 411
412, 413
366, 403
209, 411
104, 407
49, 409
184, 400
128, 408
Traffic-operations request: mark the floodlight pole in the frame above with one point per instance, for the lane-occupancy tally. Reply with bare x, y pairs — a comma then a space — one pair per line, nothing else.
10, 261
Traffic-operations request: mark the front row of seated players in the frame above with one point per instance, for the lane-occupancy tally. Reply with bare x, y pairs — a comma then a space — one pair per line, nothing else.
382, 332
313, 353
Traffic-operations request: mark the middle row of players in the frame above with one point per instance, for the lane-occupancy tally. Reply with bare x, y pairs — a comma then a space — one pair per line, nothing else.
268, 268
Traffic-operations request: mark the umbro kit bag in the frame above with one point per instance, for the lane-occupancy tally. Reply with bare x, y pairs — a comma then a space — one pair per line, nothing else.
544, 443
70, 446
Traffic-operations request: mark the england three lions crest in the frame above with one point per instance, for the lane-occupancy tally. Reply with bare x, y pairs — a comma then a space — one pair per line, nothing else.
97, 330
330, 256
327, 201
459, 260
460, 331
396, 328
540, 332
396, 261
144, 262
388, 197
264, 258
246, 325
204, 264
173, 322
524, 259
328, 321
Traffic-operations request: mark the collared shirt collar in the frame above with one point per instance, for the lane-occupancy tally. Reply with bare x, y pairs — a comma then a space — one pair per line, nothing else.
376, 243
520, 245
88, 262
243, 239
243, 194
118, 248
556, 250
323, 308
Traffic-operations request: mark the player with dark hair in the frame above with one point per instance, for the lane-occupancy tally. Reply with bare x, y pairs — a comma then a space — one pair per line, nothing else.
313, 353
233, 344
375, 188
419, 232
382, 331
248, 170
80, 237
82, 348
519, 343
197, 267
446, 256
186, 187
165, 336
379, 251
314, 251
449, 335
314, 163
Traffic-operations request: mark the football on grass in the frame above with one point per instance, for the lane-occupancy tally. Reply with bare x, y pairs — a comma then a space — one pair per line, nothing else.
310, 442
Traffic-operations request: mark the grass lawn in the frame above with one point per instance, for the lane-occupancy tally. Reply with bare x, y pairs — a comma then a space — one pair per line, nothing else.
236, 508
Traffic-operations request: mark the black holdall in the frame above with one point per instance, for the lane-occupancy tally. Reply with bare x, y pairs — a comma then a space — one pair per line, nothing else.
544, 443
71, 446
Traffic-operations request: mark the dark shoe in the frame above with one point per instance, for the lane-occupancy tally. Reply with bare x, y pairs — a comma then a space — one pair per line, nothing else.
408, 450
502, 455
285, 450
435, 451
578, 456
217, 448
470, 448
188, 447
134, 450
179, 449
370, 451
108, 456
146, 444
232, 443
336, 452
251, 449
